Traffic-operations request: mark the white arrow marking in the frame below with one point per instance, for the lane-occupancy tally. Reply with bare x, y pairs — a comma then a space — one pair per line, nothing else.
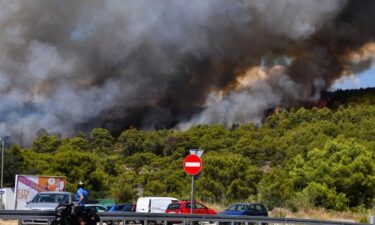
192, 164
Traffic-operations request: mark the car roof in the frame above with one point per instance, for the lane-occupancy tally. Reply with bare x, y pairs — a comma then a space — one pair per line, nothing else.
185, 202
55, 192
169, 198
247, 203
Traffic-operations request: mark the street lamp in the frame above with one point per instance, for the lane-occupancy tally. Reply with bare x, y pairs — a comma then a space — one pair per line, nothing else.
2, 172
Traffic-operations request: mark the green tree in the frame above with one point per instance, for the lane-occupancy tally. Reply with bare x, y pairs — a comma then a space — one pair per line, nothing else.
75, 165
45, 143
131, 141
124, 188
343, 167
275, 188
79, 143
153, 142
228, 176
13, 164
101, 141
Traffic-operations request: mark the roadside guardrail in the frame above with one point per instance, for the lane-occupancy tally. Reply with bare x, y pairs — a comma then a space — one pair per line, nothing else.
146, 218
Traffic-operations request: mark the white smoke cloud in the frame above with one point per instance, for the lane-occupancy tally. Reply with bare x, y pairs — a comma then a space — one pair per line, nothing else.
249, 103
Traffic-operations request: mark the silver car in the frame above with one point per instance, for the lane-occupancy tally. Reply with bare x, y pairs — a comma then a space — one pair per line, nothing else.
48, 200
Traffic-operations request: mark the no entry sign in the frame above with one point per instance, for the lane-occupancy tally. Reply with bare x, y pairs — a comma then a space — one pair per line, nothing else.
192, 164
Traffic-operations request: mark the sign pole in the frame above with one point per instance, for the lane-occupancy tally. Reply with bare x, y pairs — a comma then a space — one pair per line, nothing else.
15, 194
192, 194
2, 172
193, 166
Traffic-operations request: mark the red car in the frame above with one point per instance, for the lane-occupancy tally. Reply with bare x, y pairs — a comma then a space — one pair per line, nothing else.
183, 207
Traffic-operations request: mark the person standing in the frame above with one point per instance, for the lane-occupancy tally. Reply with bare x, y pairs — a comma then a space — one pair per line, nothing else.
81, 197
82, 194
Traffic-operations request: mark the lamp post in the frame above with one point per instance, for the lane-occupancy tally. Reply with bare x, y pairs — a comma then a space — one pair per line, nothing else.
2, 172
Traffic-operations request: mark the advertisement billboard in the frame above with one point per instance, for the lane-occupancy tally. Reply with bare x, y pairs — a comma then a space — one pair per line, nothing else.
27, 186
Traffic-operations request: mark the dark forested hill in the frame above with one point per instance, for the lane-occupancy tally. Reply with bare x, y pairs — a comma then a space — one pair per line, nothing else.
349, 97
300, 157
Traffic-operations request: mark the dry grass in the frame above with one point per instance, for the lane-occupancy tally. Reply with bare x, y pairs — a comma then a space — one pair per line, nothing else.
323, 214
8, 222
320, 214
218, 207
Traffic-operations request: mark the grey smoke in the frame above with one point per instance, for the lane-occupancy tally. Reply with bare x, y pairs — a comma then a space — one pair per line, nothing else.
67, 66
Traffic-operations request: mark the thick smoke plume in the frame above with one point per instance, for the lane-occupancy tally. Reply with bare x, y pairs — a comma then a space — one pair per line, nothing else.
67, 66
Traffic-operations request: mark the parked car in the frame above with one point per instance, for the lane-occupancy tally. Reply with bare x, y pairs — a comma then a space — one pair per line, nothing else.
47, 201
153, 204
246, 209
127, 207
96, 207
184, 207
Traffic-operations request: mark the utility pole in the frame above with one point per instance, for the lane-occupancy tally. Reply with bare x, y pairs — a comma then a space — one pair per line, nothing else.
2, 173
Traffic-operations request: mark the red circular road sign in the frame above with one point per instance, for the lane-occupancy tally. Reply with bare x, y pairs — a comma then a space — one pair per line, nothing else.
192, 164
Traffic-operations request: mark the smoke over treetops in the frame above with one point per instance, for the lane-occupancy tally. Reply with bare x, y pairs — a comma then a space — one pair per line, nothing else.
74, 65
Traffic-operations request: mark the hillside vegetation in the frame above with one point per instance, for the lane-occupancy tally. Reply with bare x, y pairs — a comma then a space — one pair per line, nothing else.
298, 158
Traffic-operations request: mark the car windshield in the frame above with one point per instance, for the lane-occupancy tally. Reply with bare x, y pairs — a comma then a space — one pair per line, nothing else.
174, 206
238, 207
99, 207
127, 208
51, 198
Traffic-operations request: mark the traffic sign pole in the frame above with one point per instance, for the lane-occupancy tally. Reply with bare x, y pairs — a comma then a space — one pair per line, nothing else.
192, 194
193, 166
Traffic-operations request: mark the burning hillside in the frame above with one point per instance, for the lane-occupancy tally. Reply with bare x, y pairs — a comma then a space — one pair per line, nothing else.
69, 66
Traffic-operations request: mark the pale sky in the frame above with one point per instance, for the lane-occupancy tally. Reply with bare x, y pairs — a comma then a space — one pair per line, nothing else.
362, 80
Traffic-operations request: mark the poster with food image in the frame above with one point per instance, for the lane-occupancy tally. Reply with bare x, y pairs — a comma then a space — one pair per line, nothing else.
49, 183
27, 186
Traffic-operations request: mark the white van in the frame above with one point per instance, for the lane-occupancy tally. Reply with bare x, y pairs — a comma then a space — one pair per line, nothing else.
153, 204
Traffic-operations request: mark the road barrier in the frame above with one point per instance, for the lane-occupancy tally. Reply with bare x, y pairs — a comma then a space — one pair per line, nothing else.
146, 218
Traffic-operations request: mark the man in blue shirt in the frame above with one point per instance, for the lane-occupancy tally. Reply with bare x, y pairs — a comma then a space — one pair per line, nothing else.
82, 194
81, 198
